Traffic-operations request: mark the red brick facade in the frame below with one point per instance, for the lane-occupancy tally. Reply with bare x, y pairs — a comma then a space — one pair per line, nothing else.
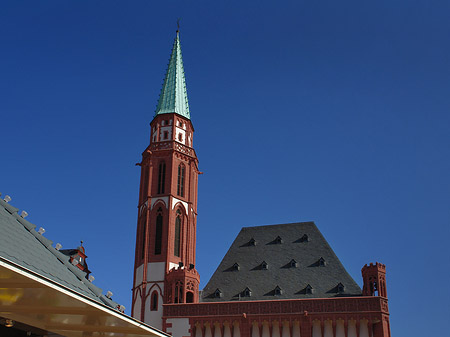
166, 229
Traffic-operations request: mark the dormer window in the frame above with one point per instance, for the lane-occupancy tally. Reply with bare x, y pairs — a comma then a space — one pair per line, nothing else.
278, 240
252, 242
321, 262
236, 266
217, 293
340, 288
304, 238
293, 264
247, 292
277, 291
264, 265
308, 289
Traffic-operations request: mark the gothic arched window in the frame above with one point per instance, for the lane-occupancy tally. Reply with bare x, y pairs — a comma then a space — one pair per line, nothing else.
158, 233
180, 181
161, 177
177, 242
154, 301
178, 292
145, 182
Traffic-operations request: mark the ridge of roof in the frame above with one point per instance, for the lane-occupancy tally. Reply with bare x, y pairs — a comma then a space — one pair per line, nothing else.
173, 97
292, 279
23, 244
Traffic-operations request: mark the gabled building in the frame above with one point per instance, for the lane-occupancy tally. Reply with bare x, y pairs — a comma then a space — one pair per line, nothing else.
275, 281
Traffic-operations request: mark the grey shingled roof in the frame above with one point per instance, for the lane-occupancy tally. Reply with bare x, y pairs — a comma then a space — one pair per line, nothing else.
21, 244
278, 245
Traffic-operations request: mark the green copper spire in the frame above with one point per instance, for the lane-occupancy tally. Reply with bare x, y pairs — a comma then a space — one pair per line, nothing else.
173, 97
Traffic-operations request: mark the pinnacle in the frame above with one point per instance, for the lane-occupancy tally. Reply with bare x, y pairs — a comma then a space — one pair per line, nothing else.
173, 96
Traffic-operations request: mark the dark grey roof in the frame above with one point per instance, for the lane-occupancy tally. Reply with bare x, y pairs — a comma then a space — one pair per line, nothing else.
21, 244
315, 264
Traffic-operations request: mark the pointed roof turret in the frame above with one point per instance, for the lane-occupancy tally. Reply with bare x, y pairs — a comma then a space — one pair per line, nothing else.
173, 97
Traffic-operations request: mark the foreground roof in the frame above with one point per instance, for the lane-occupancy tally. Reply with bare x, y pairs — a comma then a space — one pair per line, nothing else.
173, 96
288, 261
21, 244
41, 289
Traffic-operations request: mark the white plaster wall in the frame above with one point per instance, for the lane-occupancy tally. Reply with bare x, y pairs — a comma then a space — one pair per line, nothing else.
165, 200
184, 203
137, 308
265, 330
183, 134
255, 330
180, 327
351, 329
296, 329
226, 330
154, 318
328, 329
236, 330
161, 135
316, 330
217, 332
364, 328
198, 331
275, 329
208, 331
172, 265
190, 141
139, 274
285, 331
340, 329
156, 271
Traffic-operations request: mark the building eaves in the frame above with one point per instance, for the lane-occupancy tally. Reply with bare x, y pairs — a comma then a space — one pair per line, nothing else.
21, 244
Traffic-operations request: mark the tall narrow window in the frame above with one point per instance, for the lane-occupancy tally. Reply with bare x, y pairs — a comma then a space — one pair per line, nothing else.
161, 177
189, 297
180, 182
144, 234
158, 234
145, 182
176, 295
176, 249
154, 301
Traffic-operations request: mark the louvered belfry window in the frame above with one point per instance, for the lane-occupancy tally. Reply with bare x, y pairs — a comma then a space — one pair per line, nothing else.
158, 232
180, 182
161, 177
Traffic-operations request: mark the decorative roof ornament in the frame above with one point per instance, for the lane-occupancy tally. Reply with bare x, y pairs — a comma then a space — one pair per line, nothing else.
173, 97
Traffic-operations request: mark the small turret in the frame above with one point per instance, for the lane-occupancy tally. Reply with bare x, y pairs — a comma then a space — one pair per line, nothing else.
374, 277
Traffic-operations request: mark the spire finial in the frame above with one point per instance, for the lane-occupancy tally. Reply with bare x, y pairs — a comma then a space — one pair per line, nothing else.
81, 243
178, 25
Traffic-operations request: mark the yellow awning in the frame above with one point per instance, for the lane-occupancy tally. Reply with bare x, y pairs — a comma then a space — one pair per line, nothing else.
31, 299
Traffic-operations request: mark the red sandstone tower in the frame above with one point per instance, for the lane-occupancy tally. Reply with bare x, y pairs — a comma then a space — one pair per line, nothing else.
164, 269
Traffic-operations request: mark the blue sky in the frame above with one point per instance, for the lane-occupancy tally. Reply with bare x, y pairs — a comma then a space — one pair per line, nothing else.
330, 111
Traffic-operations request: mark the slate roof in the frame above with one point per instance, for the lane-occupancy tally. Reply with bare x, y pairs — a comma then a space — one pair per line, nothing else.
288, 261
21, 244
173, 97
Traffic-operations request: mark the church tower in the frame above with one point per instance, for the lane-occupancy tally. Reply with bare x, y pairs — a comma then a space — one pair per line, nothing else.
164, 269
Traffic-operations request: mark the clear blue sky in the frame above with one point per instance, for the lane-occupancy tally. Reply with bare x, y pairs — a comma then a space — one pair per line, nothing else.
331, 111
